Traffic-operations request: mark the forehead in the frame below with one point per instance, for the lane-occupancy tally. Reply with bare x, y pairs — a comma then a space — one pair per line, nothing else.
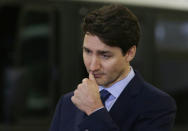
92, 42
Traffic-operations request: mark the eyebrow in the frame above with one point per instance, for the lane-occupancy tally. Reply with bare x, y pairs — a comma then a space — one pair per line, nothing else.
99, 51
104, 52
85, 48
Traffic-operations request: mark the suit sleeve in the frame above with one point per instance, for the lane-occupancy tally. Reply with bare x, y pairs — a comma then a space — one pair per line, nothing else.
158, 116
56, 118
99, 121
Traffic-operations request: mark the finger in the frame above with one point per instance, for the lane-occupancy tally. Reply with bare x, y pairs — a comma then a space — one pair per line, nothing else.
85, 80
91, 77
73, 99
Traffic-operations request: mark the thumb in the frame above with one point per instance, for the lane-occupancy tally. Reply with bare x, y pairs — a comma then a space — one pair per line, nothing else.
91, 77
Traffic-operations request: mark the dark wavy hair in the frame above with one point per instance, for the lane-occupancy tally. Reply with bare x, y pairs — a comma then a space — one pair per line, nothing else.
115, 25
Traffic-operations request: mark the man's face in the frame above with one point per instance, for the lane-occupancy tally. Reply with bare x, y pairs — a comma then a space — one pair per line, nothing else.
106, 63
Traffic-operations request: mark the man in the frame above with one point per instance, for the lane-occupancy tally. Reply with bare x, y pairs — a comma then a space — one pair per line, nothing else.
111, 36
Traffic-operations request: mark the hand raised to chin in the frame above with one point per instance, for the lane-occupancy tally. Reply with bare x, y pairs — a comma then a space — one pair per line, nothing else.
87, 97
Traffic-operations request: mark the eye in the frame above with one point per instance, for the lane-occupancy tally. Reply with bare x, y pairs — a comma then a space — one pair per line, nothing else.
106, 56
87, 51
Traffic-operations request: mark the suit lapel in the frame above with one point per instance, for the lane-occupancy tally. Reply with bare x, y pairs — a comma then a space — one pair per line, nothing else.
124, 104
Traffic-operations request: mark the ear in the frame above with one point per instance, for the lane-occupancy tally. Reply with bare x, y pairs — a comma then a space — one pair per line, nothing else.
131, 53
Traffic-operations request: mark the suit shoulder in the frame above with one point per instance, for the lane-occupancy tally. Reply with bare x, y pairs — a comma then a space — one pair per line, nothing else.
66, 98
147, 90
68, 95
154, 91
154, 96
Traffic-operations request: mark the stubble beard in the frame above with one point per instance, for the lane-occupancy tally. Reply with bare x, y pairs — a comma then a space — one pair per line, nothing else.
110, 80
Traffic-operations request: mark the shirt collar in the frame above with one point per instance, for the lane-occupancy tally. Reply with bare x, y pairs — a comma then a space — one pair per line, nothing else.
119, 86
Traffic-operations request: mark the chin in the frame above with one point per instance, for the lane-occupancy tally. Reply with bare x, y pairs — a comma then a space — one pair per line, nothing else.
100, 83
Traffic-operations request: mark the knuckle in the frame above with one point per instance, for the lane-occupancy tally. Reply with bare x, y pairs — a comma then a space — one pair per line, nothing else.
79, 86
72, 99
75, 92
85, 80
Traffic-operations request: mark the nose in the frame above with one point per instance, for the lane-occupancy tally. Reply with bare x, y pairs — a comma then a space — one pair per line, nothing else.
95, 64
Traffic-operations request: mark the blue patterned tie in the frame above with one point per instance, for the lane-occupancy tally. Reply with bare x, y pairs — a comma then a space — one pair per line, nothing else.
104, 95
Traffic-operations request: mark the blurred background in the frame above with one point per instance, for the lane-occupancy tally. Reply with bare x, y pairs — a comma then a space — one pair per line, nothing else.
41, 55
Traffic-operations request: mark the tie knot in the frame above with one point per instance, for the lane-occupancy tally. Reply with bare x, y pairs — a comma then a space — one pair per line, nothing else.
104, 95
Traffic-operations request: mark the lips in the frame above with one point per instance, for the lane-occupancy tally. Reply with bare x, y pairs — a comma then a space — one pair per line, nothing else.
97, 75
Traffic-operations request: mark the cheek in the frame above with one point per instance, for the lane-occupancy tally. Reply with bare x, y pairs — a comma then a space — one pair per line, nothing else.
109, 66
113, 66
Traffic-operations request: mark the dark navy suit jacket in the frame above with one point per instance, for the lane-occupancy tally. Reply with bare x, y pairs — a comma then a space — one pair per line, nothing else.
140, 107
